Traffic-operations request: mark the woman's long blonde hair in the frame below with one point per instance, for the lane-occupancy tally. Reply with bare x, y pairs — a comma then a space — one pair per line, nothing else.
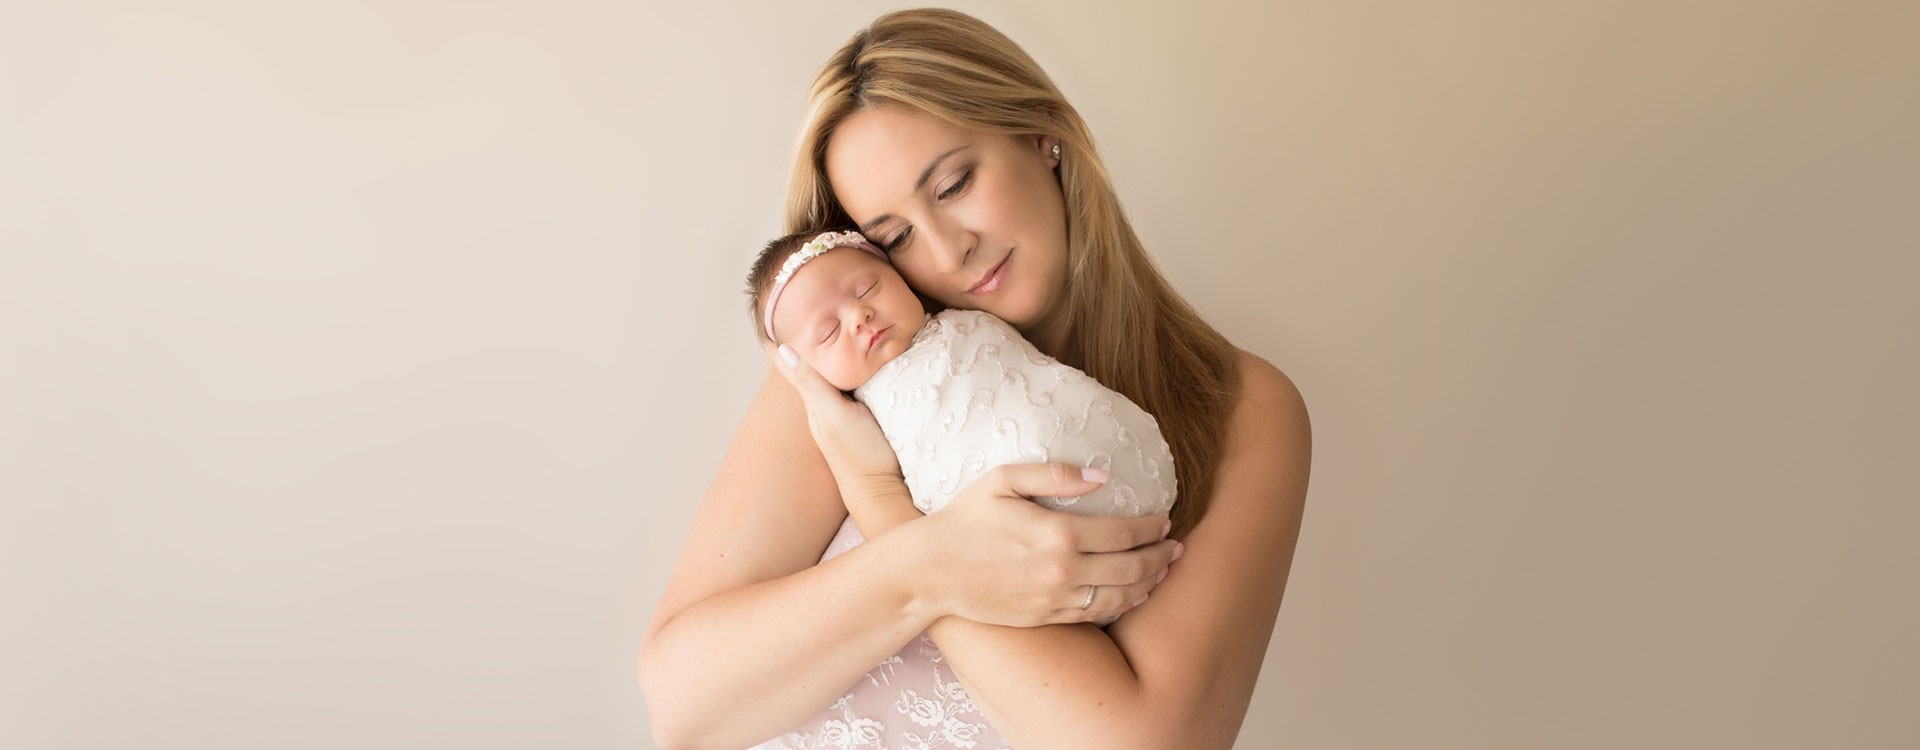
1128, 328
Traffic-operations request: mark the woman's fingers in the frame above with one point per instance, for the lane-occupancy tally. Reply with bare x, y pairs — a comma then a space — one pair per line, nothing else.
1120, 581
1089, 533
1007, 555
1128, 568
1054, 479
1113, 600
826, 405
844, 429
1105, 534
1108, 601
809, 383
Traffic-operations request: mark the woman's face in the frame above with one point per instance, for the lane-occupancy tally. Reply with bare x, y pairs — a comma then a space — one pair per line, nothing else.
970, 219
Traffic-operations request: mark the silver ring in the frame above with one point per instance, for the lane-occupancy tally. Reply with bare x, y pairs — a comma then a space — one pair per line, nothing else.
1089, 601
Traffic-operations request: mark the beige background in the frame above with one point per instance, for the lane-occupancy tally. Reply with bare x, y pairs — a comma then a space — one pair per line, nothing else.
361, 363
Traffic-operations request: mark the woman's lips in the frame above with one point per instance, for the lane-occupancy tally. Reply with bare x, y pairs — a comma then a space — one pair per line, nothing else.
993, 279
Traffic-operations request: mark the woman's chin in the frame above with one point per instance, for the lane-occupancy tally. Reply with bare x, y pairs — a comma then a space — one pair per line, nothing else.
1022, 313
1018, 311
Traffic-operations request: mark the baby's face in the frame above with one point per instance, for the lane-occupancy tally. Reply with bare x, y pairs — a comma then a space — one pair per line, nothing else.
846, 313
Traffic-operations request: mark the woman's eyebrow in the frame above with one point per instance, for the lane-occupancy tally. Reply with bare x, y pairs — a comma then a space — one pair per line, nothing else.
917, 185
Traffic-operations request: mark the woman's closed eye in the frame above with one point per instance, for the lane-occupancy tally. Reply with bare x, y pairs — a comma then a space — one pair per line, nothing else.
958, 185
900, 240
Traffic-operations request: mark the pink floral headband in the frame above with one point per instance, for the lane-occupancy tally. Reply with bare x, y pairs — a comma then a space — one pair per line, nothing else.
813, 249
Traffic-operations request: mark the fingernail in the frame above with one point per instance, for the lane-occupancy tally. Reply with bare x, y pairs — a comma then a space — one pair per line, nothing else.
1177, 549
1163, 576
1139, 601
1166, 528
787, 357
1094, 475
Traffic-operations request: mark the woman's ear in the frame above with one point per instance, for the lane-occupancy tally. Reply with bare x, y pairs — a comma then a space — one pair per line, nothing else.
1049, 150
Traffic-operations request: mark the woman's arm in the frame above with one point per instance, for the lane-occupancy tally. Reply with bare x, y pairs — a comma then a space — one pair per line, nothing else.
751, 638
1179, 670
1024, 566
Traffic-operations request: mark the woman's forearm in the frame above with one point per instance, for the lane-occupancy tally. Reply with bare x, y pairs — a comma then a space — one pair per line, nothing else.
742, 666
1016, 674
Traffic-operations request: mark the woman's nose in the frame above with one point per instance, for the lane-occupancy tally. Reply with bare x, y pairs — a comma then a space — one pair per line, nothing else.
950, 249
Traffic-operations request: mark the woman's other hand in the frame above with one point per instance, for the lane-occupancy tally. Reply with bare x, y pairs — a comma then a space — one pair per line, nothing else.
848, 435
998, 558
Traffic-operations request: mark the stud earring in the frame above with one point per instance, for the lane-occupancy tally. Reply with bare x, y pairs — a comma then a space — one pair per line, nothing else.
1056, 152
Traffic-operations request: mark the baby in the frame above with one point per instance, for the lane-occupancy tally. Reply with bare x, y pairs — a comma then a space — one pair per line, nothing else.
957, 393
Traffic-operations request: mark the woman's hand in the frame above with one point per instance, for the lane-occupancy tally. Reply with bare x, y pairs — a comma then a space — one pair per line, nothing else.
998, 558
857, 452
993, 556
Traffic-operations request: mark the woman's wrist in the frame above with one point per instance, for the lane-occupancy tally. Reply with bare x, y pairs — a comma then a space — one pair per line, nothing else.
908, 556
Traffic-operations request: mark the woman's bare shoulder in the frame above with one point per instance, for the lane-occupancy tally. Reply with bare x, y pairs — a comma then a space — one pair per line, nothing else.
1269, 406
1219, 601
1269, 448
1266, 393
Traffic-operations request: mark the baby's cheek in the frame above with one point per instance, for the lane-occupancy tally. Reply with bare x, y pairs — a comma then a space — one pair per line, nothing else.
836, 373
865, 374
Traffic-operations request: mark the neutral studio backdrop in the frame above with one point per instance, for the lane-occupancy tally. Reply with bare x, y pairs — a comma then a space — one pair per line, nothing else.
362, 363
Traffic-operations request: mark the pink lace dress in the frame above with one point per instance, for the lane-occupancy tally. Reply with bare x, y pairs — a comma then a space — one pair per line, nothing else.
912, 701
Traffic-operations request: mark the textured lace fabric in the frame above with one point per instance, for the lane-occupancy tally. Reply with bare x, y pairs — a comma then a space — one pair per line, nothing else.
971, 394
968, 395
912, 701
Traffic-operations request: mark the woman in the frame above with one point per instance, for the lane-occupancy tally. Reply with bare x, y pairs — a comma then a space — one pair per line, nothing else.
947, 146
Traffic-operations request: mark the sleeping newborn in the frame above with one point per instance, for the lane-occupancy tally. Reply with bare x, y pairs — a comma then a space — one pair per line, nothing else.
957, 393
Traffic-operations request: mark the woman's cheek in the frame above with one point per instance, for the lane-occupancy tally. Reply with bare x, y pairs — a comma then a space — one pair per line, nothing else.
1027, 307
945, 288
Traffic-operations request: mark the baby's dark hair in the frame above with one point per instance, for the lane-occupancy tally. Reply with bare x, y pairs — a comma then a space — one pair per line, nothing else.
765, 267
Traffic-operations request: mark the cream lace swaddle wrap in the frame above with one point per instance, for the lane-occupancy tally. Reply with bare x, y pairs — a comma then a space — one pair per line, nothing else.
971, 393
